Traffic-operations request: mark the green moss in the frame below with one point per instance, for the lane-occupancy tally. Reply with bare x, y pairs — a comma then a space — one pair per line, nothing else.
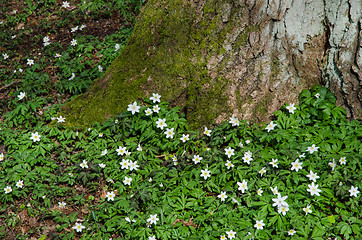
261, 108
275, 67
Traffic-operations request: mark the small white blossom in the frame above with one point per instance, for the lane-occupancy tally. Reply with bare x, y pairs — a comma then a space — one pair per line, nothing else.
291, 108
110, 196
353, 191
133, 108
21, 95
259, 224
155, 97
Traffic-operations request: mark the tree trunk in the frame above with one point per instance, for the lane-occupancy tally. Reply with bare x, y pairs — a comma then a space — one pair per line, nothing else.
218, 58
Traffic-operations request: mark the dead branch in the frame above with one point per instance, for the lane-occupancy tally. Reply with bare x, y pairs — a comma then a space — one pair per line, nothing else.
184, 223
12, 83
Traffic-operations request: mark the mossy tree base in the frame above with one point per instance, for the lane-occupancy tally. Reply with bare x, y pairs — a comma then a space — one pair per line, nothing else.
215, 59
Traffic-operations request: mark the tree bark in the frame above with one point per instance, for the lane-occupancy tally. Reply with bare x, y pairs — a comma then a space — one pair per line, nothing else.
218, 58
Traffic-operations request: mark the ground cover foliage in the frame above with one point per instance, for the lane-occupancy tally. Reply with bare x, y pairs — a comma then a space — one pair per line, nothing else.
143, 174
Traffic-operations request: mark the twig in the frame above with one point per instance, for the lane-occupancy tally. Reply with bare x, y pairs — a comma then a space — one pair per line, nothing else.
184, 223
6, 86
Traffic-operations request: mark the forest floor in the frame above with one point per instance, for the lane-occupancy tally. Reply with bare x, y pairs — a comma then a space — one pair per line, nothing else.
143, 174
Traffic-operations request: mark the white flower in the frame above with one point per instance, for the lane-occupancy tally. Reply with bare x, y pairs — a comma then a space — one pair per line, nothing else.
139, 148
313, 189
242, 186
121, 150
317, 95
222, 237
196, 159
262, 171
332, 164
312, 176
117, 46
127, 181
205, 173
124, 164
234, 121
274, 190
270, 126
302, 155
104, 152
61, 119
161, 123
152, 237
207, 132
21, 95
57, 55
353, 191
291, 232
296, 165
247, 141
259, 224
184, 138
35, 137
283, 210
102, 165
222, 196
153, 219
73, 42
148, 111
259, 191
228, 164
155, 97
72, 77
280, 201
84, 164
312, 149
8, 189
229, 152
82, 26
230, 234
248, 153
1, 157
241, 145
133, 165
100, 68
62, 204
6, 56
110, 196
78, 227
65, 4
74, 29
247, 158
20, 184
342, 160
307, 209
169, 133
291, 108
156, 109
30, 62
274, 163
133, 108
